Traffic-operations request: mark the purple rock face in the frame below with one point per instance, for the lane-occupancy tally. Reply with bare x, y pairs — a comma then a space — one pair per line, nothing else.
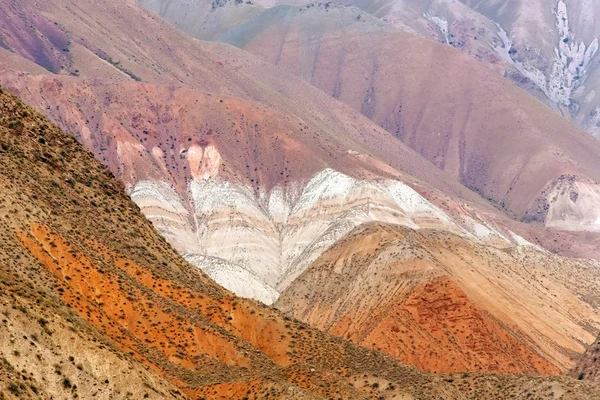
34, 37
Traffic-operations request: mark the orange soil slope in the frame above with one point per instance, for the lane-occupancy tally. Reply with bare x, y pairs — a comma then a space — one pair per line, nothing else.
445, 304
203, 345
438, 329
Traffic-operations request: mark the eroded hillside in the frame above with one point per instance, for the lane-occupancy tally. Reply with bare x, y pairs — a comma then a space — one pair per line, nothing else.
456, 112
446, 304
588, 367
80, 259
210, 140
96, 303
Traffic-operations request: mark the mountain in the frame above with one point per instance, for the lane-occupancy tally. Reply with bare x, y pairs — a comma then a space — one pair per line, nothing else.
547, 47
456, 112
550, 47
249, 172
96, 304
182, 164
446, 304
154, 113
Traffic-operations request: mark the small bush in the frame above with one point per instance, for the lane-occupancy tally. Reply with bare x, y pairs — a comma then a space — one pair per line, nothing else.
14, 388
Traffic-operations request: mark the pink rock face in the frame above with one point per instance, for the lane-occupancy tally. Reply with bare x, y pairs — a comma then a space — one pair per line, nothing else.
150, 132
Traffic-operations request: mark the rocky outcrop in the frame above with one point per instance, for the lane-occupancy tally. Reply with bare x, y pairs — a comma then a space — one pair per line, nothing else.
568, 203
588, 367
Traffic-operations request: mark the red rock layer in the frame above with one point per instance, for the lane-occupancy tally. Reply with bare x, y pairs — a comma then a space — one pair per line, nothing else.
439, 330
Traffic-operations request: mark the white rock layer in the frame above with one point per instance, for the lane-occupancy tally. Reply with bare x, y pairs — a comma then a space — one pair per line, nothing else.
570, 67
574, 206
255, 244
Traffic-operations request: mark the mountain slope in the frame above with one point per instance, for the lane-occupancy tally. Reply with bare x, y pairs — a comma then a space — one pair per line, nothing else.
73, 234
451, 109
547, 47
588, 367
198, 179
96, 304
210, 121
445, 304
553, 45
46, 349
102, 270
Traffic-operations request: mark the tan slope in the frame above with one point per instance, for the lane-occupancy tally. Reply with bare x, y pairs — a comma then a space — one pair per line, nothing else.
412, 294
461, 116
46, 354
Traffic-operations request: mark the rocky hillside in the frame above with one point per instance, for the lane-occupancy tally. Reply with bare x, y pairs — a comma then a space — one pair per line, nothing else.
213, 138
197, 179
464, 118
211, 141
46, 349
548, 47
95, 304
446, 304
89, 289
588, 367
